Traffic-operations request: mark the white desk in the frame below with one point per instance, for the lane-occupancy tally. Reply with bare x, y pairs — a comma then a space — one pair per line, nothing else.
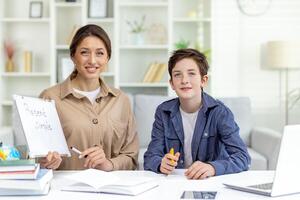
169, 188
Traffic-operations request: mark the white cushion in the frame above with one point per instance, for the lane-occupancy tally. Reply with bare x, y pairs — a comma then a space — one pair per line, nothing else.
141, 158
145, 107
241, 109
258, 161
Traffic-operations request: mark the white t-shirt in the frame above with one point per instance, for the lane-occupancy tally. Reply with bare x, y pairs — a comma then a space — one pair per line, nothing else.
188, 122
91, 95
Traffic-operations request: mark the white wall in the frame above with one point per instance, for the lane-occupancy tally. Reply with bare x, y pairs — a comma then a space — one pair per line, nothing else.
237, 57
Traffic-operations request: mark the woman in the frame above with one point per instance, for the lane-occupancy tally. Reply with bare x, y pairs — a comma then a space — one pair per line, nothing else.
201, 129
95, 118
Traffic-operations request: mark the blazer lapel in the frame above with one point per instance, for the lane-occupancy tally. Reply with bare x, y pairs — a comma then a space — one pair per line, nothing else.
198, 132
177, 124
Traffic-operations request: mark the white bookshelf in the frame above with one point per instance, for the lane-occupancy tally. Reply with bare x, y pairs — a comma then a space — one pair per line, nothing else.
24, 20
25, 74
47, 38
147, 4
6, 103
191, 20
101, 20
68, 4
141, 47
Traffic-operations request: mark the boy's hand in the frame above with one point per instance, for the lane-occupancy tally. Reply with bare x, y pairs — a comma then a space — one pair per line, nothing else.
200, 170
168, 163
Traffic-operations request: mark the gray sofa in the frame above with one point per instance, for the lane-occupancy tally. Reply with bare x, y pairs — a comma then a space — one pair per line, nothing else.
263, 144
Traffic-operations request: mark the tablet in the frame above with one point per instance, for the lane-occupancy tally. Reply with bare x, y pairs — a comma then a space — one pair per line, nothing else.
199, 195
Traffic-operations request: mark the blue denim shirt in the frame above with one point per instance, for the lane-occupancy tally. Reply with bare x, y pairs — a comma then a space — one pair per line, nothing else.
216, 138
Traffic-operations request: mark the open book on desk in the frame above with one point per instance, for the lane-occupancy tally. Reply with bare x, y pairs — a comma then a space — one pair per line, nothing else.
116, 182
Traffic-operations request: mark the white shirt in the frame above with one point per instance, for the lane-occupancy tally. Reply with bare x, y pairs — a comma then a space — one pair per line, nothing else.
188, 122
91, 95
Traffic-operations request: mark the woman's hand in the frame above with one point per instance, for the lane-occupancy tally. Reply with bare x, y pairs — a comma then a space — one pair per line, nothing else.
95, 158
168, 163
200, 170
51, 161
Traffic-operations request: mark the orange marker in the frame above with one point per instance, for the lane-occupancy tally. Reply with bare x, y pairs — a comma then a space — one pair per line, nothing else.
172, 153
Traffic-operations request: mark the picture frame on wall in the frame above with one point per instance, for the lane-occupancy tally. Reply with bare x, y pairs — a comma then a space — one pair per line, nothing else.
36, 9
97, 8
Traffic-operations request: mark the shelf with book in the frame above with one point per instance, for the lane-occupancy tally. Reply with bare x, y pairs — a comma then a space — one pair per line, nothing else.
142, 37
140, 64
160, 25
19, 39
31, 60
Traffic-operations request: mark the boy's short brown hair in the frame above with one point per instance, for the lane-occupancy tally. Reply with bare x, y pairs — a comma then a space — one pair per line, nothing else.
197, 56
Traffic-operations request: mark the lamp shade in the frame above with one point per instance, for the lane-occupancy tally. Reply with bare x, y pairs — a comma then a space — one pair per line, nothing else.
283, 54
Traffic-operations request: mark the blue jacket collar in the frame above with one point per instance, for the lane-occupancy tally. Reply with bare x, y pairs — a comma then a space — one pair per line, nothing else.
172, 105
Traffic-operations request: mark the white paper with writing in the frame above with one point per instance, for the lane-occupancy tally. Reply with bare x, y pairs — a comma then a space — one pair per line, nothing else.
41, 126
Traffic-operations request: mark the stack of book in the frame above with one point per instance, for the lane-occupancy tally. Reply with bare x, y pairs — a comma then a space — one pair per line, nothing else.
155, 72
23, 177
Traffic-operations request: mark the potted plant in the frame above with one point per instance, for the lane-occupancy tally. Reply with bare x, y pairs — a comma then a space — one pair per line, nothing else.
182, 44
206, 52
9, 50
137, 29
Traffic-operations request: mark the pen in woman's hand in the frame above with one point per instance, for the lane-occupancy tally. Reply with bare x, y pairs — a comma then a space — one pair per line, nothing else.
76, 151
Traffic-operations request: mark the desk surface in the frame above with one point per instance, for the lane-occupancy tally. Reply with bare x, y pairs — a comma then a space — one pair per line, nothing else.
170, 187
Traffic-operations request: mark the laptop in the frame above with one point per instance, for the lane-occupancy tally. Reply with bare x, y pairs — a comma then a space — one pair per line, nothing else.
287, 174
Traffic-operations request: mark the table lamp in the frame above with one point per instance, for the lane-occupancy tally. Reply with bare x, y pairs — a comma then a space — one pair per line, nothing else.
283, 56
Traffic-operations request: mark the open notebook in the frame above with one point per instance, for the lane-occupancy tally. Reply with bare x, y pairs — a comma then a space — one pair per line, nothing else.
117, 182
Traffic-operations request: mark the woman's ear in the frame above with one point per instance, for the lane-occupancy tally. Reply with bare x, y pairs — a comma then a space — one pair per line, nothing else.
72, 58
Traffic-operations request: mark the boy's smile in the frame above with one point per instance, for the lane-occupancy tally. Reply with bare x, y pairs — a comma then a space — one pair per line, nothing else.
186, 79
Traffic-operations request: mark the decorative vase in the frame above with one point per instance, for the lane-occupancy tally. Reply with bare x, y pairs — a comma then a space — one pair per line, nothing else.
138, 38
9, 66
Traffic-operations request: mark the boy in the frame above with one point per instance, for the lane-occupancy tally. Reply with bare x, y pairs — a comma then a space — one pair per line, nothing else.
201, 130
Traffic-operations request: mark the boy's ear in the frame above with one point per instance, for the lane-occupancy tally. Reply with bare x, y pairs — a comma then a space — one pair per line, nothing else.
204, 80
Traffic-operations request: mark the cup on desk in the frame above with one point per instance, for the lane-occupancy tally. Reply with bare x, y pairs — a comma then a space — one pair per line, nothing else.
28, 61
